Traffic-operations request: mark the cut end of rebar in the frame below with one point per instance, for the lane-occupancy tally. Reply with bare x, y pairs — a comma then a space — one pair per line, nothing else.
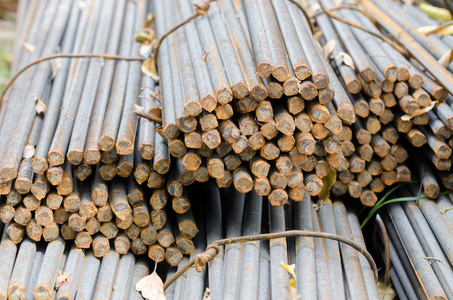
368, 74
16, 292
368, 198
302, 72
187, 124
170, 131
281, 73
440, 93
208, 102
403, 74
240, 90
92, 156
264, 69
278, 197
42, 292
291, 87
259, 92
8, 173
432, 190
124, 147
146, 151
320, 80
416, 81
224, 95
192, 108
55, 157
23, 186
346, 114
106, 143
391, 73
75, 157
308, 91
39, 165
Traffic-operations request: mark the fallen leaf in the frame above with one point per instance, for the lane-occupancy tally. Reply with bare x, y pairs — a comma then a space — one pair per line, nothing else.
145, 49
207, 294
55, 65
29, 151
149, 20
202, 7
61, 279
291, 270
40, 106
435, 12
347, 59
318, 35
418, 112
205, 55
328, 48
328, 182
81, 4
338, 3
293, 294
385, 292
29, 47
315, 8
138, 107
151, 287
145, 35
149, 68
446, 58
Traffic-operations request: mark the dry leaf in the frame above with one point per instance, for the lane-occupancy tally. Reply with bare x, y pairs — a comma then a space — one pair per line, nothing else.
318, 35
29, 47
327, 181
291, 270
315, 8
328, 48
29, 151
338, 3
386, 292
446, 58
418, 112
293, 294
40, 106
145, 35
149, 68
205, 56
149, 20
207, 294
145, 49
435, 12
55, 65
138, 107
61, 279
347, 59
202, 7
151, 287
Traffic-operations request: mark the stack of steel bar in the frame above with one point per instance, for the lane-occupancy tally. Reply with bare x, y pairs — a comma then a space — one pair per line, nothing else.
241, 271
392, 96
82, 177
265, 119
324, 269
419, 244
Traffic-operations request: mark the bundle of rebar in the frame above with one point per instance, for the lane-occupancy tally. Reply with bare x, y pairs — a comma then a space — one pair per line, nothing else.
253, 269
400, 102
80, 172
418, 239
323, 269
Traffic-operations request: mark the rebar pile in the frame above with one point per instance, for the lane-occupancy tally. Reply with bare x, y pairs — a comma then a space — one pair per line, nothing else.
60, 270
324, 269
64, 183
400, 103
419, 244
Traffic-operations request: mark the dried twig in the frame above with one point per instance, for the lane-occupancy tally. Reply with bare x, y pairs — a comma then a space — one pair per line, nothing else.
62, 55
